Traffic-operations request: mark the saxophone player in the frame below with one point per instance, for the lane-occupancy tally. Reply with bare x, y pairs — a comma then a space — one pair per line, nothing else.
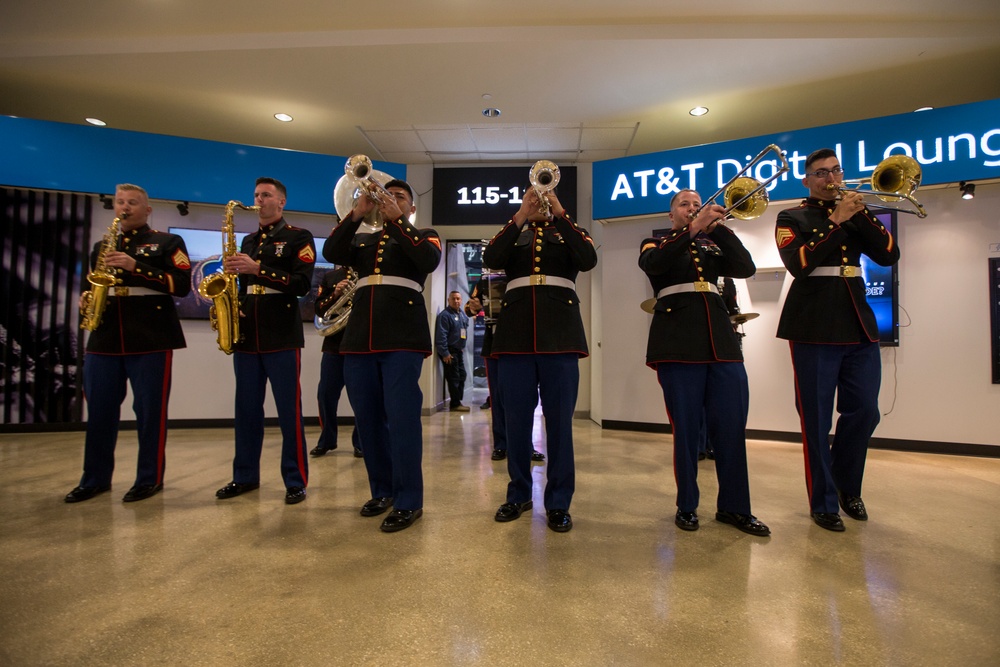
134, 343
275, 265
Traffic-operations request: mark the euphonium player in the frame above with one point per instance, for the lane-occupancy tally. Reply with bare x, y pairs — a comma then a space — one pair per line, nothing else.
833, 334
275, 265
331, 369
538, 342
134, 343
697, 355
385, 343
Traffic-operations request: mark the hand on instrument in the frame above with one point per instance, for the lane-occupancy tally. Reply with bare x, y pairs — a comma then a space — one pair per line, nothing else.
241, 263
850, 203
707, 220
362, 207
474, 306
339, 288
120, 260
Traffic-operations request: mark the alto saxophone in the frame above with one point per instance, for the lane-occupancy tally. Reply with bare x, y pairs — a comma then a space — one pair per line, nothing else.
336, 316
101, 279
223, 289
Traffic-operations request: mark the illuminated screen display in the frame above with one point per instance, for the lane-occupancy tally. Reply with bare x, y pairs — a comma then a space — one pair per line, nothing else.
882, 288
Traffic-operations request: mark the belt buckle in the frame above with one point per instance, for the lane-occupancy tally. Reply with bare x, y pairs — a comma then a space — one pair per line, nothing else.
375, 279
848, 272
538, 279
702, 286
257, 289
121, 291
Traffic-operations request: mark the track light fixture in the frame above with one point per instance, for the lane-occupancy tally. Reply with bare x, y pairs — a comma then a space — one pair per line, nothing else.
968, 190
109, 203
182, 208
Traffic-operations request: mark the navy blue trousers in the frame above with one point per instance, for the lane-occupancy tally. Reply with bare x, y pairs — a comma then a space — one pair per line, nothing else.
104, 385
854, 372
331, 386
718, 393
497, 412
384, 389
523, 378
253, 372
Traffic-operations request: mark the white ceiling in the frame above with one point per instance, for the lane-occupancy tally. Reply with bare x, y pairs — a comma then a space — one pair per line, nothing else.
576, 80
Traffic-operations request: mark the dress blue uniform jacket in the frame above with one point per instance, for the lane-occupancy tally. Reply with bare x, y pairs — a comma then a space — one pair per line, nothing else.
142, 324
545, 318
826, 309
287, 256
386, 318
693, 326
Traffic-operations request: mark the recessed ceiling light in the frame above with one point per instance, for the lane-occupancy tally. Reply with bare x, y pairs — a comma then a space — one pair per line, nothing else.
96, 121
923, 109
284, 117
698, 111
491, 112
487, 96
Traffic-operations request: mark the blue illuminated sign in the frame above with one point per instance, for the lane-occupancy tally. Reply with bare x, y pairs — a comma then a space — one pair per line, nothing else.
78, 158
951, 144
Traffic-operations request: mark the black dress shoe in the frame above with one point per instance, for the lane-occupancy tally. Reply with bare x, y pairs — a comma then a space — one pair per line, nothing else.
560, 521
686, 520
376, 506
488, 404
358, 454
499, 454
294, 494
701, 456
142, 492
399, 520
511, 511
748, 523
829, 521
234, 489
320, 451
710, 454
537, 455
853, 507
85, 493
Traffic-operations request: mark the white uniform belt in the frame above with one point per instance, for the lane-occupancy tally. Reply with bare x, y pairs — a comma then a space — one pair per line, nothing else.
837, 271
700, 286
136, 291
380, 279
260, 289
531, 281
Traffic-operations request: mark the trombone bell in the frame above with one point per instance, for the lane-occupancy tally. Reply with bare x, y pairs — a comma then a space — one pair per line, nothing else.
745, 198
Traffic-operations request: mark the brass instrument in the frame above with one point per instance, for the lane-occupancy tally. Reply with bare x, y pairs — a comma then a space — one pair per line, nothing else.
895, 178
335, 317
544, 177
360, 179
223, 288
745, 197
101, 279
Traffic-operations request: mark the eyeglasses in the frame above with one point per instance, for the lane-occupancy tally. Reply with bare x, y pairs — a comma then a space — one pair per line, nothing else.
823, 173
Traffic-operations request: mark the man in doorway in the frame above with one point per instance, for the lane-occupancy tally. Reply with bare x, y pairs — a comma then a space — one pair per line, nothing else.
449, 342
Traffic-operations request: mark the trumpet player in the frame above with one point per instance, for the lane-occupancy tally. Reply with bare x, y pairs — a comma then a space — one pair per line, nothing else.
832, 334
538, 342
275, 266
134, 342
386, 341
698, 358
331, 369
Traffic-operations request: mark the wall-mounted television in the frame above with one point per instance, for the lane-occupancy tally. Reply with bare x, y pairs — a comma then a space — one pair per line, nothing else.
204, 248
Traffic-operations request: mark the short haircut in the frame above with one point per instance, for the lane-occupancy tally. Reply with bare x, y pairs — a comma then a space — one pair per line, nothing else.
397, 183
278, 185
679, 193
821, 154
129, 187
454, 291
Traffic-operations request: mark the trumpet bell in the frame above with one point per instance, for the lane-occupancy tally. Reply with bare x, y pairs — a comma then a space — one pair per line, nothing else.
544, 175
739, 204
897, 173
347, 190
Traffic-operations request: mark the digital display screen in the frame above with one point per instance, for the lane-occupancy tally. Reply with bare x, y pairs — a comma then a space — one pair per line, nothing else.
882, 288
489, 195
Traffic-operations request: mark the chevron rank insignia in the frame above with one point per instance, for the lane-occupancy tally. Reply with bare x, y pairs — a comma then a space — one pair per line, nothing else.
181, 260
783, 236
307, 255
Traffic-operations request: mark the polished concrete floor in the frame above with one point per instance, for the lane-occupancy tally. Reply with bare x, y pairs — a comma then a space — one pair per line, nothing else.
184, 579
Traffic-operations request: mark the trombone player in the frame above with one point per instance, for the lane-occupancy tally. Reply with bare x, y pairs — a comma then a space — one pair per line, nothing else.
832, 333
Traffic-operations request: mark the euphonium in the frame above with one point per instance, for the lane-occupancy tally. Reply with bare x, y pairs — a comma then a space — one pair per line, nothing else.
223, 288
335, 317
544, 177
101, 279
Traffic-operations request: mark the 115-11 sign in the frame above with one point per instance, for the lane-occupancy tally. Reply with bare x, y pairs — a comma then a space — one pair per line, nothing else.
493, 195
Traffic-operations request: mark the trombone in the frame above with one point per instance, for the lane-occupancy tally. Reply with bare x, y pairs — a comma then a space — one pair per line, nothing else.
895, 178
745, 197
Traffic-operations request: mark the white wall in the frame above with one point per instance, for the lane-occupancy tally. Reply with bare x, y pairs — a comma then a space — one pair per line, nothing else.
937, 383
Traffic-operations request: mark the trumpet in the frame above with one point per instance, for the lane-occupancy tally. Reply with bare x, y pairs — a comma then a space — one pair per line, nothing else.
544, 177
895, 178
360, 172
745, 197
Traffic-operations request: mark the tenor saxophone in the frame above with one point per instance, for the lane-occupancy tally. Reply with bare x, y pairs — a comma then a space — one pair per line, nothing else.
101, 279
223, 289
